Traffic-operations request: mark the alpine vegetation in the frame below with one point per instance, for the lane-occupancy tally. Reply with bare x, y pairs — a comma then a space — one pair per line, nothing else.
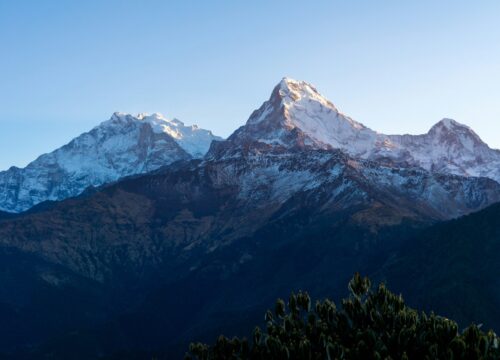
369, 324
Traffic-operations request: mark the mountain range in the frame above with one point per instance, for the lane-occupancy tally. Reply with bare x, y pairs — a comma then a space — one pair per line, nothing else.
297, 115
122, 146
192, 245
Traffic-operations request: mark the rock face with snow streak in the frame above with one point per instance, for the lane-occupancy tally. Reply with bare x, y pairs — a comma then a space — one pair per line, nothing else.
298, 116
121, 146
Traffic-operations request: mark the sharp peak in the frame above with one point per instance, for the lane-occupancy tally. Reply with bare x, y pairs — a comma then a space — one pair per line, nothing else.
450, 125
285, 80
290, 90
290, 84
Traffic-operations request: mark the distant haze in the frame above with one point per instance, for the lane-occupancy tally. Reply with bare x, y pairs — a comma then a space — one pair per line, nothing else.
397, 67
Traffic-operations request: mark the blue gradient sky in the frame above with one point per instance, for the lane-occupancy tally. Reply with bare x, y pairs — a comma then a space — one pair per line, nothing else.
396, 66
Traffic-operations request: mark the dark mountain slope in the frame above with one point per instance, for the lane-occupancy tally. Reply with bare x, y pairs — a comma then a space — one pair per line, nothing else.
440, 268
6, 215
38, 298
228, 289
453, 268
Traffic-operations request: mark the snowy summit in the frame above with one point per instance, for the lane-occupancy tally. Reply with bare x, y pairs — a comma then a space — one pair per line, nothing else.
296, 114
121, 146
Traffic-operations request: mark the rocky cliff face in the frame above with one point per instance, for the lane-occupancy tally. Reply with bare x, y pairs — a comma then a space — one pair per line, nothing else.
122, 146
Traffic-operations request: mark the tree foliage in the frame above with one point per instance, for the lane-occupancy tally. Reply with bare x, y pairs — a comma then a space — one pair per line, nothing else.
370, 324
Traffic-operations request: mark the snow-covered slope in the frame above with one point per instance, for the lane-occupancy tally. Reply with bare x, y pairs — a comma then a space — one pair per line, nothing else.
192, 139
297, 115
449, 147
121, 146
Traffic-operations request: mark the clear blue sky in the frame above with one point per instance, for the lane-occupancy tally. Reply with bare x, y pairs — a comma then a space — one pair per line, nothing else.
396, 66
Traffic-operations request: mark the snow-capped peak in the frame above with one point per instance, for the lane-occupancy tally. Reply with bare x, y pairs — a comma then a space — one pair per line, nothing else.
451, 133
121, 146
297, 114
160, 124
292, 91
450, 125
192, 139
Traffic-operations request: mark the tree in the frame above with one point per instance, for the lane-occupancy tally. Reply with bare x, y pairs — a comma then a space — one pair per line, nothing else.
370, 324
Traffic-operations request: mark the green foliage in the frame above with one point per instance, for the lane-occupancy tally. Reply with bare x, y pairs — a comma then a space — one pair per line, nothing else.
370, 324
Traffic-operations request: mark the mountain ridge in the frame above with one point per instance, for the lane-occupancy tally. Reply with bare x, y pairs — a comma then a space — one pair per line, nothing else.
297, 115
210, 203
121, 146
